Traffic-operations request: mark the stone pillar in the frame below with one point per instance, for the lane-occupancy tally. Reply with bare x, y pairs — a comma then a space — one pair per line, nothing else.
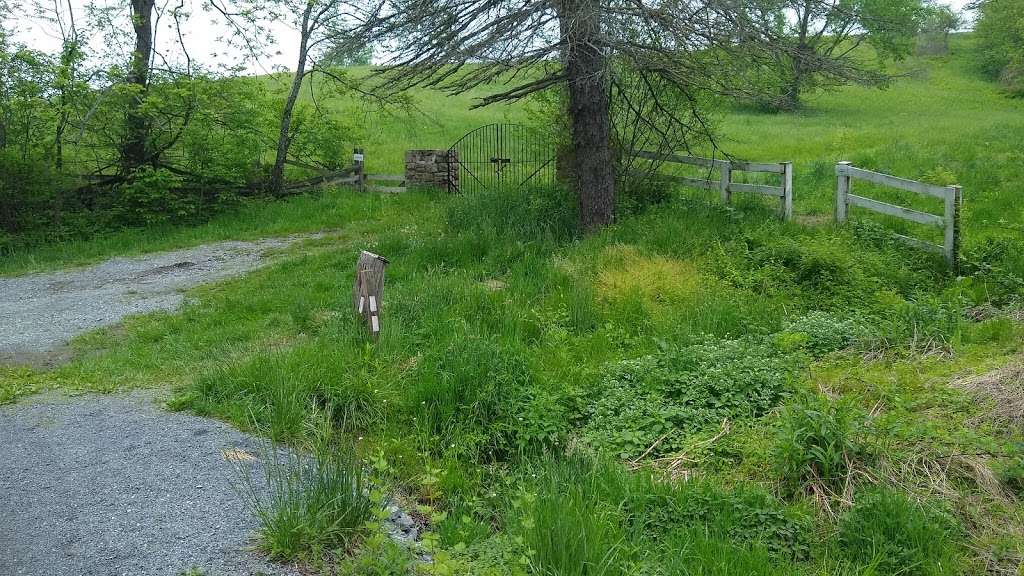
432, 168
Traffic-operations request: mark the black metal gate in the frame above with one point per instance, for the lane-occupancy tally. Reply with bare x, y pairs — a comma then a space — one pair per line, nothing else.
498, 156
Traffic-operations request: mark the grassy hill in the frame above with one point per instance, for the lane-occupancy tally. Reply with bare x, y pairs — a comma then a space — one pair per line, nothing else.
694, 390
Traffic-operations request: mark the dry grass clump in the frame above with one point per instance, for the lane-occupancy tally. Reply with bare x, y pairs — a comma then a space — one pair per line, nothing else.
1002, 390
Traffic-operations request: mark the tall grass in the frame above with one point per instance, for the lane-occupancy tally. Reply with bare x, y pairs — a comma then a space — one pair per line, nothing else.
309, 502
888, 533
582, 516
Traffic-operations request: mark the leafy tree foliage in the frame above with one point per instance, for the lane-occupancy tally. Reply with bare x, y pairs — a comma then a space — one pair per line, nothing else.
938, 21
1000, 36
825, 44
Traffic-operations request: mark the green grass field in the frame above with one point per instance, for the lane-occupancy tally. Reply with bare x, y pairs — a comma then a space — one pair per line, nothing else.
694, 390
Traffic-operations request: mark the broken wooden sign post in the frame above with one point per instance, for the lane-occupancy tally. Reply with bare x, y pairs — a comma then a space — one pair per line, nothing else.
366, 294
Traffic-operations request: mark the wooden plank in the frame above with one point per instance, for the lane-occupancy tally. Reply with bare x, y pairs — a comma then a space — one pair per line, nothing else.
893, 181
897, 211
776, 191
386, 177
759, 167
677, 159
694, 182
916, 243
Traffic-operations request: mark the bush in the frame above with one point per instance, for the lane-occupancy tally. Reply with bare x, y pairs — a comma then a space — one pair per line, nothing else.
26, 195
745, 516
820, 333
151, 196
818, 441
683, 391
893, 535
636, 196
1000, 42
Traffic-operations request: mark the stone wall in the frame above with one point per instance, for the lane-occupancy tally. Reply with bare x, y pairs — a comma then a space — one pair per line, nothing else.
431, 168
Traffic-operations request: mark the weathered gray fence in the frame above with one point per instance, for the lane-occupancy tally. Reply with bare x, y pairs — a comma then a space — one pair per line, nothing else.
725, 185
949, 221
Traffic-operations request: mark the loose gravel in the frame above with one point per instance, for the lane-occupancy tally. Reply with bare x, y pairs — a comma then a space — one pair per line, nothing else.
114, 485
39, 313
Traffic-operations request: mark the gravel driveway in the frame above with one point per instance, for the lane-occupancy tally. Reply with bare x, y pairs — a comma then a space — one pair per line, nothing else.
39, 313
114, 485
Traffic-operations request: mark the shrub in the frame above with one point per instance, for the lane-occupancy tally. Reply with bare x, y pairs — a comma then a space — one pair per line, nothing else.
745, 516
818, 441
636, 196
151, 196
26, 194
820, 333
892, 534
311, 503
684, 390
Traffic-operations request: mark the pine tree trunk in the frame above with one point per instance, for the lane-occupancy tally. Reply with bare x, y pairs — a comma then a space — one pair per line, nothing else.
135, 148
589, 111
284, 139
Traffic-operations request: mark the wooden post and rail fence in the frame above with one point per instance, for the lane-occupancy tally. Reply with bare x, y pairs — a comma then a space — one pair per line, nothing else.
355, 176
949, 221
846, 174
725, 185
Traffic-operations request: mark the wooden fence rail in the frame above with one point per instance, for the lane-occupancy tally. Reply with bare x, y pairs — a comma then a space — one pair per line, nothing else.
949, 221
725, 185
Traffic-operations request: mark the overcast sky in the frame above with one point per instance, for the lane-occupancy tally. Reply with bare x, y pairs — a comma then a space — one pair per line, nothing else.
204, 32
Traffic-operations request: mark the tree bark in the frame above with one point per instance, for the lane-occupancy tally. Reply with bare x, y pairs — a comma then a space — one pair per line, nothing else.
795, 85
284, 139
135, 148
589, 112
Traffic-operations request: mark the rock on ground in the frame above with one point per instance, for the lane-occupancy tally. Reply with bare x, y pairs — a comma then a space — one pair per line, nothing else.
39, 313
114, 485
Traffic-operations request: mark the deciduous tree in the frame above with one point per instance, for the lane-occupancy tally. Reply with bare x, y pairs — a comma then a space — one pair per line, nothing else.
825, 44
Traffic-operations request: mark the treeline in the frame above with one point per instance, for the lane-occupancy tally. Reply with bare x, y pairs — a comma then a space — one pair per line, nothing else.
110, 132
1000, 42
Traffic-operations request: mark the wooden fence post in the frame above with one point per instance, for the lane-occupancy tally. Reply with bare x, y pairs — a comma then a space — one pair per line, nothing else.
787, 190
368, 289
723, 184
842, 191
951, 244
357, 165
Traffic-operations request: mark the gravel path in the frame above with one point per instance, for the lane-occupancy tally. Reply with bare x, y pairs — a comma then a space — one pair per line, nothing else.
114, 485
39, 313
